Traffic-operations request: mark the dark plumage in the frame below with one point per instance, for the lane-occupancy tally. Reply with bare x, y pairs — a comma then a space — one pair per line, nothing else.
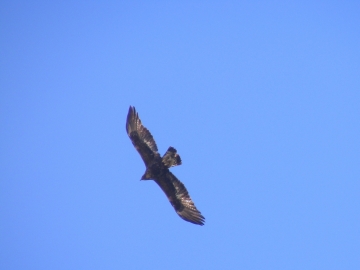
157, 169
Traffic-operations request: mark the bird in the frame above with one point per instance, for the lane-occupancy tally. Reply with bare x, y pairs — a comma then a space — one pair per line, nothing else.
157, 168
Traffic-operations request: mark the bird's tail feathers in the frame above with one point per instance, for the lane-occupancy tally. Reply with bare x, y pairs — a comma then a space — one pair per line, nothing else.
171, 158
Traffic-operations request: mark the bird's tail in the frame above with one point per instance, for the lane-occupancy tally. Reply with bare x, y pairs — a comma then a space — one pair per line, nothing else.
171, 158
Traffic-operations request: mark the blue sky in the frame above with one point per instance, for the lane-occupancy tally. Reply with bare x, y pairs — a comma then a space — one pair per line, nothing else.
261, 100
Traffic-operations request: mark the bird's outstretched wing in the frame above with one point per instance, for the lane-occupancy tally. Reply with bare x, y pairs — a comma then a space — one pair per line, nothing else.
140, 137
180, 199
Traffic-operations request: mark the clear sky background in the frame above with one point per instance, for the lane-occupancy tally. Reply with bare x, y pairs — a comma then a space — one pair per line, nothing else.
261, 100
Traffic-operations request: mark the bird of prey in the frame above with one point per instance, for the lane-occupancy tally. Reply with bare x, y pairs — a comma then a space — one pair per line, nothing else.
157, 168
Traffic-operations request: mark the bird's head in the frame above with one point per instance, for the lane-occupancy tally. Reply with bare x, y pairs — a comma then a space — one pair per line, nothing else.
147, 176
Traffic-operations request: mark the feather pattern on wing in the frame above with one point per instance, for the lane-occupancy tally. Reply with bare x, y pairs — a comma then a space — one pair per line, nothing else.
141, 137
181, 201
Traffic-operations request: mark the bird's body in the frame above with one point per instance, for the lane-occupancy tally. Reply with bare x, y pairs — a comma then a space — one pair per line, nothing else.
157, 169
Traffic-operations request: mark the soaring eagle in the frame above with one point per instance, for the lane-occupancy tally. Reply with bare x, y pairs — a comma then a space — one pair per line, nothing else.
157, 169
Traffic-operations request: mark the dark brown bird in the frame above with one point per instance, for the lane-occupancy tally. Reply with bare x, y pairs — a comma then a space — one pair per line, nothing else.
157, 169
